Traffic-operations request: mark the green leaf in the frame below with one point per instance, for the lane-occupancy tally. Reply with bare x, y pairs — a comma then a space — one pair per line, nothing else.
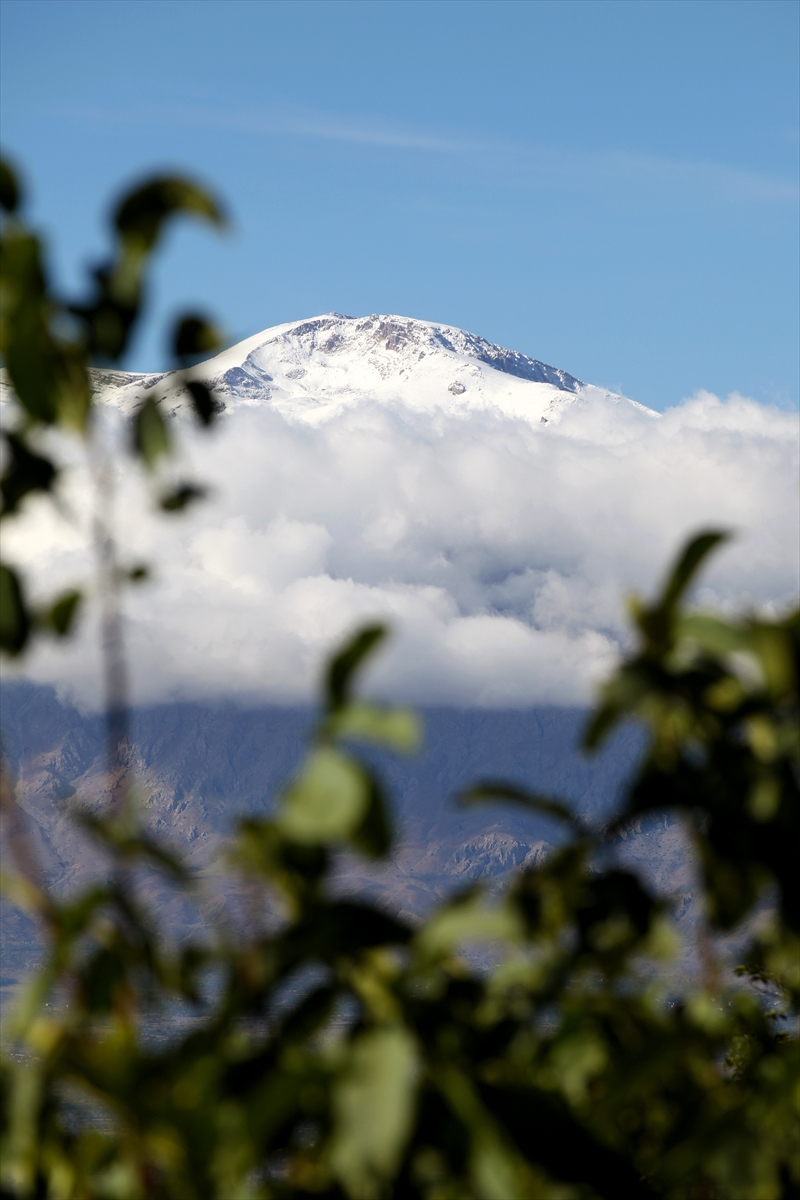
121, 835
26, 345
150, 435
328, 802
373, 1110
687, 566
203, 402
546, 1132
732, 885
777, 653
100, 977
713, 635
614, 913
181, 496
26, 472
141, 214
495, 1168
332, 931
58, 618
491, 789
620, 697
470, 918
193, 336
348, 661
314, 1010
374, 835
15, 620
498, 1171
138, 573
10, 192
398, 728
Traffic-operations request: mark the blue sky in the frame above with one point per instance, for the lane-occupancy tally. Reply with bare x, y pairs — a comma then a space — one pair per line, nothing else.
610, 187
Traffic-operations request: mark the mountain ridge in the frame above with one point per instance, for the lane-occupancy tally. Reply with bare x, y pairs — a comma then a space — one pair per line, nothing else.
199, 766
314, 368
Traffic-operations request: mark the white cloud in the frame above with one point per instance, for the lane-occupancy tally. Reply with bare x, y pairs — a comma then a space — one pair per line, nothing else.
500, 552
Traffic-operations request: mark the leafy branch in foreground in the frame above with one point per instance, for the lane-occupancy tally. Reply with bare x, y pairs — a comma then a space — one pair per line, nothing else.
521, 1045
49, 346
337, 1051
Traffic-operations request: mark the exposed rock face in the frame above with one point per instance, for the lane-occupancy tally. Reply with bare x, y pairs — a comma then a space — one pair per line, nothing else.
334, 335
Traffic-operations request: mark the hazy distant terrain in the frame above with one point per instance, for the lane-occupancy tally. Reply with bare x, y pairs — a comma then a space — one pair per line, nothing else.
199, 766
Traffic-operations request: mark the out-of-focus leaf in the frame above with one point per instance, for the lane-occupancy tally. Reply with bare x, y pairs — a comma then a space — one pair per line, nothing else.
620, 697
203, 402
373, 1110
329, 932
491, 789
100, 977
398, 728
546, 1132
24, 893
141, 214
712, 634
495, 1169
773, 644
295, 868
15, 619
498, 1172
26, 343
20, 1135
329, 800
471, 918
181, 496
26, 472
344, 666
615, 893
138, 573
60, 615
312, 1012
374, 835
656, 621
110, 317
150, 435
194, 335
731, 887
123, 836
10, 191
687, 566
764, 801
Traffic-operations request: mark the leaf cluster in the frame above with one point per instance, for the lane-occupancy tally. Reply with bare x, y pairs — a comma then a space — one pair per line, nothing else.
342, 1052
49, 345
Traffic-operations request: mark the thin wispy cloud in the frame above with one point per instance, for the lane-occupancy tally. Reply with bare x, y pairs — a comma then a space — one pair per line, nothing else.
507, 161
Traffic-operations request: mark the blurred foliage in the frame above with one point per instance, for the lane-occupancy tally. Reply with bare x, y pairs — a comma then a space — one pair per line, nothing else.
49, 345
525, 1044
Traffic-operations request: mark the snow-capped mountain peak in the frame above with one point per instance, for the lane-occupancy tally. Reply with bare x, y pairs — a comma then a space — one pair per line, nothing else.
314, 369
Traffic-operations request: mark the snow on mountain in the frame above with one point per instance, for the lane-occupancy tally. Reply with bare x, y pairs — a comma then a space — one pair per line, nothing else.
494, 510
316, 369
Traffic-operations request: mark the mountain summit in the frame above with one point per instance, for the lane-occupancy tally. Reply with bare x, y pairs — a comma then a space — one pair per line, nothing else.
314, 369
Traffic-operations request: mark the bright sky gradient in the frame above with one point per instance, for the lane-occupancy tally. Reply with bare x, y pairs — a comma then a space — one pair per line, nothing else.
609, 187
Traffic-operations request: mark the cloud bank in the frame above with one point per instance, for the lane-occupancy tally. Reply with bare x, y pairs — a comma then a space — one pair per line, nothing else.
499, 553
